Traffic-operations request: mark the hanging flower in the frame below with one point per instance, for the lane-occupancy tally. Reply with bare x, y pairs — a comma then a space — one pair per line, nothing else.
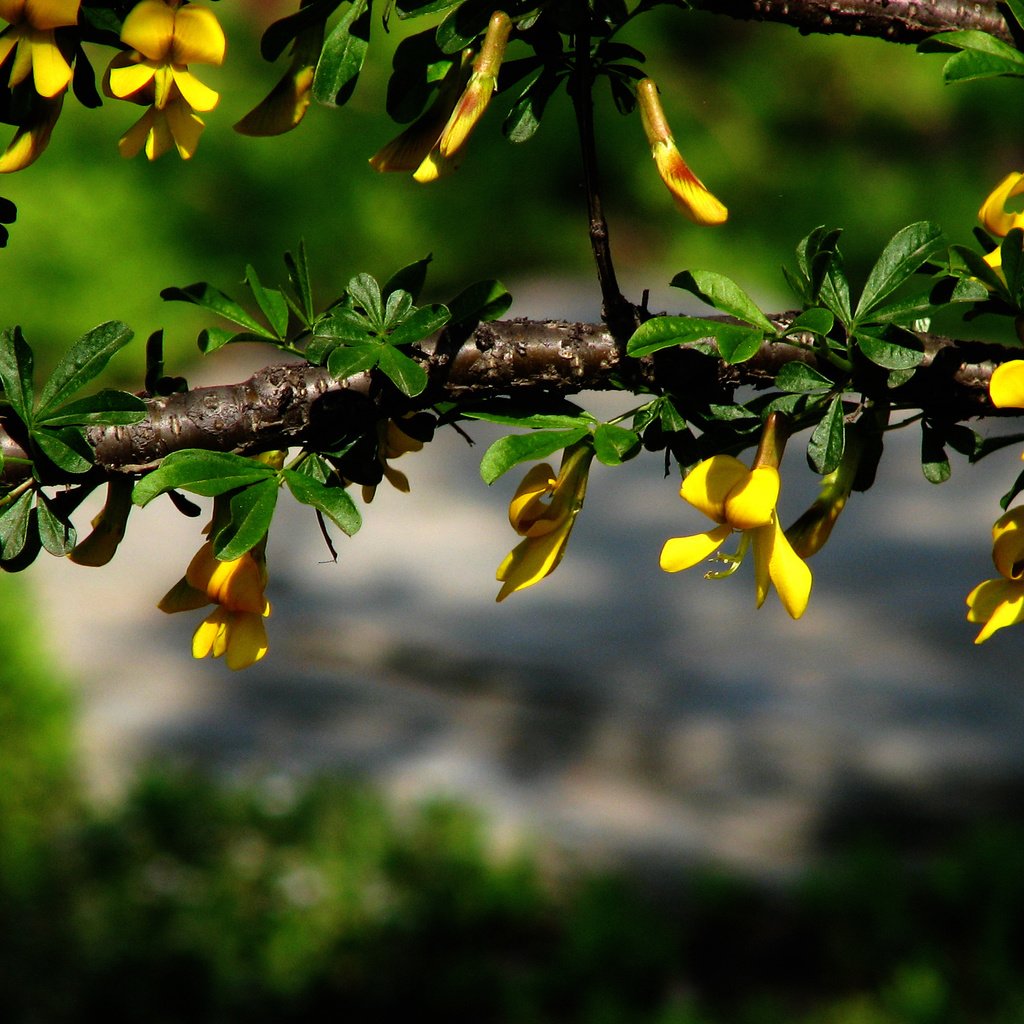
165, 38
743, 501
543, 510
1006, 385
689, 192
1000, 602
235, 627
31, 38
996, 219
392, 443
33, 136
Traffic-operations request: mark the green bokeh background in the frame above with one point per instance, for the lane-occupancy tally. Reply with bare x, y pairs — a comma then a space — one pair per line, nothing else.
194, 901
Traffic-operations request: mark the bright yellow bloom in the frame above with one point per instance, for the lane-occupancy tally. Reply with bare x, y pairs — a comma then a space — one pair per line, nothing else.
1000, 602
1006, 386
166, 38
543, 511
689, 192
235, 627
742, 500
996, 219
31, 38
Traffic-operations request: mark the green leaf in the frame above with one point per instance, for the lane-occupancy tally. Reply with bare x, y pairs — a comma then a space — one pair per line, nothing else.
420, 324
200, 472
283, 31
398, 306
464, 24
347, 361
815, 255
251, 512
970, 65
113, 408
298, 277
64, 447
724, 294
825, 448
735, 343
410, 278
614, 445
342, 56
901, 258
813, 321
671, 419
271, 302
207, 297
524, 116
365, 293
509, 451
14, 522
934, 460
887, 353
406, 374
535, 421
1011, 255
417, 8
55, 532
800, 378
907, 310
333, 502
479, 303
835, 289
212, 338
16, 365
345, 325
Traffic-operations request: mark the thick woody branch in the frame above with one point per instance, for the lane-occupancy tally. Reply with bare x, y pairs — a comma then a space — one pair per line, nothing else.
899, 21
290, 405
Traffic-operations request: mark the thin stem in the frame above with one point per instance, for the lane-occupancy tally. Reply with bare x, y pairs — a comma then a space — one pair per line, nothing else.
617, 312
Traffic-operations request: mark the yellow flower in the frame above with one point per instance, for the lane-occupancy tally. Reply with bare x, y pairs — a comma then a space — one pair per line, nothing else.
996, 219
392, 443
543, 511
1006, 386
235, 627
689, 192
31, 38
165, 38
1000, 602
742, 500
33, 135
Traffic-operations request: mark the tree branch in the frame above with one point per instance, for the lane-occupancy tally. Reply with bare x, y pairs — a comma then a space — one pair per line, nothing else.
296, 404
899, 21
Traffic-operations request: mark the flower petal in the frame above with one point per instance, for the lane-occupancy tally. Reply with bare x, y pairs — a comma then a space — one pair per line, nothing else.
685, 552
51, 73
149, 28
1008, 543
246, 640
197, 95
533, 559
709, 483
788, 572
128, 79
993, 213
185, 128
997, 603
1006, 387
528, 508
751, 502
198, 37
691, 195
51, 14
204, 640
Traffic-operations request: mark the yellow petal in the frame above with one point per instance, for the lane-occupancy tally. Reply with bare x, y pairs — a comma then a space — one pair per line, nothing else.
709, 483
786, 570
149, 28
527, 506
752, 501
997, 603
31, 139
197, 95
51, 73
283, 108
51, 14
205, 638
1006, 386
435, 166
466, 115
685, 552
185, 128
993, 214
198, 37
246, 640
533, 559
126, 79
21, 66
691, 195
1008, 543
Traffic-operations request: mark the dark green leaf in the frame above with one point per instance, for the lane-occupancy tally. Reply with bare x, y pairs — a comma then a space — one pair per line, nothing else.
342, 56
207, 297
16, 373
212, 338
333, 502
669, 331
420, 324
200, 472
251, 513
614, 445
410, 278
802, 379
891, 355
509, 451
536, 421
970, 65
464, 24
283, 31
347, 361
113, 408
14, 521
64, 447
814, 321
406, 374
934, 460
524, 116
345, 325
271, 302
672, 420
298, 276
480, 302
825, 448
56, 533
835, 290
417, 8
901, 258
365, 293
724, 294
906, 310
399, 304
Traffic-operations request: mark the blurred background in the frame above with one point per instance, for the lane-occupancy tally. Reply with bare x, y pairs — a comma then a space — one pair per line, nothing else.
618, 796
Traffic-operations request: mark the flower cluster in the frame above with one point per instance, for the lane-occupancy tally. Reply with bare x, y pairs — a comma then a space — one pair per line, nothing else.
235, 627
432, 145
165, 38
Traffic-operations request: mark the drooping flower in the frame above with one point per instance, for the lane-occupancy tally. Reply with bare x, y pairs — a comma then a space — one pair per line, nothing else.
996, 219
432, 145
392, 443
33, 135
165, 38
32, 40
999, 602
543, 510
691, 195
235, 627
1006, 385
742, 500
